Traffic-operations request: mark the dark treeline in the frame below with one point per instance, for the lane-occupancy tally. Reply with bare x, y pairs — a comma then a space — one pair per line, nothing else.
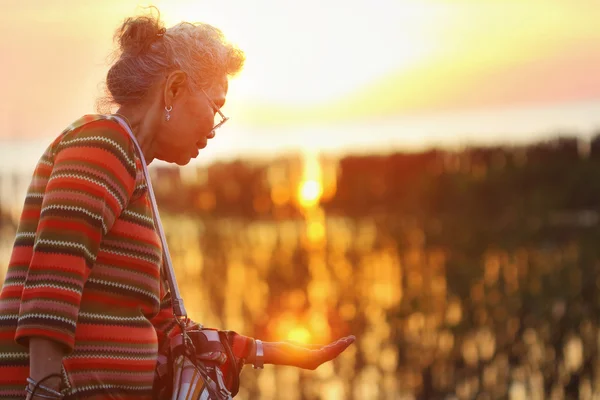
507, 195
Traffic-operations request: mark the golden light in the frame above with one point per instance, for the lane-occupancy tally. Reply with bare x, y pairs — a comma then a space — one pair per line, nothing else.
359, 59
316, 231
309, 193
311, 187
280, 195
299, 334
277, 33
289, 327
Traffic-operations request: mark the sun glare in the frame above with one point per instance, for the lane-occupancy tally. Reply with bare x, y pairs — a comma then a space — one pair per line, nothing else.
311, 187
299, 334
302, 54
310, 193
289, 327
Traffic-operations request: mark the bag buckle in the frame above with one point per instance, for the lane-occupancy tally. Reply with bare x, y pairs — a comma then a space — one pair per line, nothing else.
221, 383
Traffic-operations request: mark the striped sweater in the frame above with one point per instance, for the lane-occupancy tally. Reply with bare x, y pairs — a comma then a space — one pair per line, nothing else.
85, 269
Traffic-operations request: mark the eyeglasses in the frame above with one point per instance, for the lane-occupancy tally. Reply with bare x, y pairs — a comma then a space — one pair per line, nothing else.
217, 109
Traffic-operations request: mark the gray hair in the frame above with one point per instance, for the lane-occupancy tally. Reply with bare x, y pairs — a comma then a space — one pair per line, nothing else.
147, 51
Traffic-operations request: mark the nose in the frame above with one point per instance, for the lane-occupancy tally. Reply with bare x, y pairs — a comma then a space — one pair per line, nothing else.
211, 134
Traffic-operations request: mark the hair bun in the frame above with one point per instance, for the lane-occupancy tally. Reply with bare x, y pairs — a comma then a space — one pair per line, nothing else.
137, 34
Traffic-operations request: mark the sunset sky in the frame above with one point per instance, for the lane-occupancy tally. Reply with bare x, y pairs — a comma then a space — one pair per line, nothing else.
327, 74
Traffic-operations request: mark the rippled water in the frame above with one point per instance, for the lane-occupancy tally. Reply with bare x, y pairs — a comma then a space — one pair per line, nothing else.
506, 329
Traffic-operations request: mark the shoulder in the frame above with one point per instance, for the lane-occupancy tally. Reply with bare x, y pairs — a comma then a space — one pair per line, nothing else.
98, 136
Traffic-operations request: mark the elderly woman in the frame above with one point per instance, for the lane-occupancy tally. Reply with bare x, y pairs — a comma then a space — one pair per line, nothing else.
83, 301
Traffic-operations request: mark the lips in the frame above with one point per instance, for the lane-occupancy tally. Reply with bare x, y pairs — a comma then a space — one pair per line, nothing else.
204, 141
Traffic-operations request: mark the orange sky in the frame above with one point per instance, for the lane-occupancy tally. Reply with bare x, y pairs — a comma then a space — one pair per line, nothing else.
316, 62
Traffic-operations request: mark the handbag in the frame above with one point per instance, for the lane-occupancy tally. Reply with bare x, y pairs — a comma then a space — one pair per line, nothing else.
197, 363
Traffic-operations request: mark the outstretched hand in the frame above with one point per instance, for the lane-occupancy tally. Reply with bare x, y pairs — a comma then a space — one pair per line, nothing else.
302, 356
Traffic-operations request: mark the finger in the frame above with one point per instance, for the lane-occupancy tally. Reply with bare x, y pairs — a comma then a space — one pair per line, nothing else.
320, 346
286, 353
317, 346
334, 349
328, 353
348, 340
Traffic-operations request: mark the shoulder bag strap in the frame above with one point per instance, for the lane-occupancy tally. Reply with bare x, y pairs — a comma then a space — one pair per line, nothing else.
176, 300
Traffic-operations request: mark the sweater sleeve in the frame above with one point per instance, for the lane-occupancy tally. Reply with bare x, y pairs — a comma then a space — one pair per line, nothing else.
166, 327
91, 181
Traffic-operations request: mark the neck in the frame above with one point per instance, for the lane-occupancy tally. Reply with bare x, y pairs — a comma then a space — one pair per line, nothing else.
141, 130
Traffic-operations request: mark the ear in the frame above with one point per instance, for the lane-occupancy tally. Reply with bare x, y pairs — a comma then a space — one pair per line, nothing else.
176, 83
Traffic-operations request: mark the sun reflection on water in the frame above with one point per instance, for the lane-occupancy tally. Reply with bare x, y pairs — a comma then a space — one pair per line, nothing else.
310, 192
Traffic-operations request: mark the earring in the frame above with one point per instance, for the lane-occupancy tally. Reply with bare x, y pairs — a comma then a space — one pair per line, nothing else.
168, 112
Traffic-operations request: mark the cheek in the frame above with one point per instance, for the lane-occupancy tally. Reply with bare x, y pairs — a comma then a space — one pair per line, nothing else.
198, 124
183, 131
174, 135
205, 118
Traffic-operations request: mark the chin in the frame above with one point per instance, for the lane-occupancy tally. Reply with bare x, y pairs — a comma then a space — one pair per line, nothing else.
181, 161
